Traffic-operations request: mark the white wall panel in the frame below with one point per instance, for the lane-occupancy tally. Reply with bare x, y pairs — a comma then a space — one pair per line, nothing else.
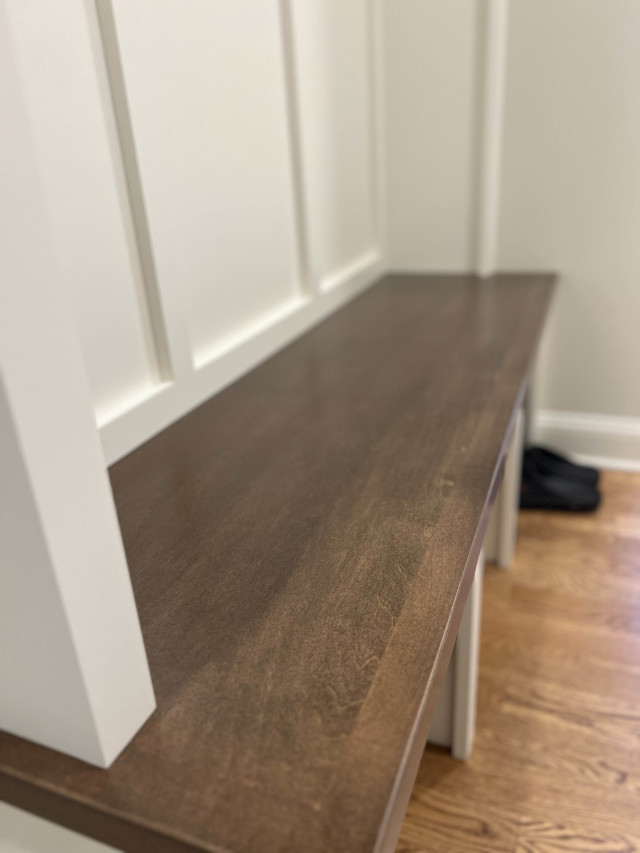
21, 832
333, 62
207, 99
571, 195
73, 668
432, 76
57, 46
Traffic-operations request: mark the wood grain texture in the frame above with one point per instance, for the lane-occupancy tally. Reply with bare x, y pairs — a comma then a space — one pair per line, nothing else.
556, 764
301, 547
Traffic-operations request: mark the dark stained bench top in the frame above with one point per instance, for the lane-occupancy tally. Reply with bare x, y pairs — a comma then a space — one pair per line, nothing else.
301, 547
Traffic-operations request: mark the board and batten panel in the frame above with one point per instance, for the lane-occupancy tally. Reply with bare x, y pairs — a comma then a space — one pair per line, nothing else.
66, 94
432, 64
205, 83
333, 45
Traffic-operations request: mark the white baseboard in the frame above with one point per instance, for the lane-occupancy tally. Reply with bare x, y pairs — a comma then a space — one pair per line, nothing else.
603, 441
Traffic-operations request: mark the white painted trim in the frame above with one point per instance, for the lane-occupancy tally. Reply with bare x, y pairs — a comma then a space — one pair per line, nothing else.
306, 282
352, 272
164, 308
433, 271
606, 441
379, 127
73, 668
492, 120
607, 463
192, 377
133, 427
229, 343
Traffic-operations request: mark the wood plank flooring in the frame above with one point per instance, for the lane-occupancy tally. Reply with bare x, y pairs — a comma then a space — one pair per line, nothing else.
556, 761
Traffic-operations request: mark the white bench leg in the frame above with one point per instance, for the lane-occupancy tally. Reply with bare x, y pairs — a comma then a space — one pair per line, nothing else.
500, 540
528, 413
454, 720
510, 496
465, 670
453, 723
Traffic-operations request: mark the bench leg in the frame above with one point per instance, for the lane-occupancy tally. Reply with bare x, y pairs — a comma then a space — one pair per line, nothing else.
500, 540
454, 721
465, 670
528, 413
510, 496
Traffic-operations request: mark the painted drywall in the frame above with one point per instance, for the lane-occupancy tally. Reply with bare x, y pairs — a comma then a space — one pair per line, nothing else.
21, 832
432, 68
567, 189
68, 209
571, 202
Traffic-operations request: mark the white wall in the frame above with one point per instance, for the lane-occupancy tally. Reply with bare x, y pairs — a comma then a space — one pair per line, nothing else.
334, 56
571, 202
432, 76
21, 832
567, 192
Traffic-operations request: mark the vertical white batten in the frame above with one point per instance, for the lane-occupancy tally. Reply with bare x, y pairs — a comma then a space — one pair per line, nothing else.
491, 133
73, 667
163, 309
378, 127
307, 284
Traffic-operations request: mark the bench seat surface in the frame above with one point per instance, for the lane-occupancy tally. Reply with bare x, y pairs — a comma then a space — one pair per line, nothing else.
301, 547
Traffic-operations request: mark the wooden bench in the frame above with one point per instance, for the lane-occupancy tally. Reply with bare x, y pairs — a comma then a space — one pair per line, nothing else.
301, 548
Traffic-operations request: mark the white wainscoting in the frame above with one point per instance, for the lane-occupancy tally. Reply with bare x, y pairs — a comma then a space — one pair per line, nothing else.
251, 132
333, 59
214, 178
208, 106
66, 94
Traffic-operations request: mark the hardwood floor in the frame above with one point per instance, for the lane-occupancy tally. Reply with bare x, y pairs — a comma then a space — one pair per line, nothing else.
556, 760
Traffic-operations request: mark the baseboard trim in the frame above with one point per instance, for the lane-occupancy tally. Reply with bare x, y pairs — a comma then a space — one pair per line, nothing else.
603, 441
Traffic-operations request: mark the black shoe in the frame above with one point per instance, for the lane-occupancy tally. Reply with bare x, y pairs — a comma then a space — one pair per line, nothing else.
553, 465
541, 491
